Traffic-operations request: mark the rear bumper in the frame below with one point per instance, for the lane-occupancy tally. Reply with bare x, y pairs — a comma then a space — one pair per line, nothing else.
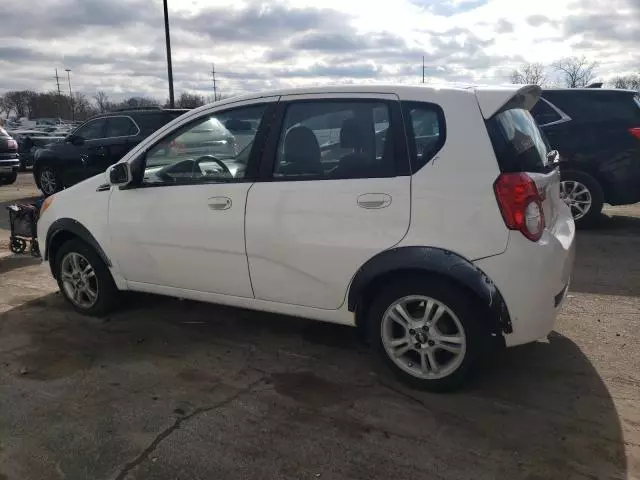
533, 278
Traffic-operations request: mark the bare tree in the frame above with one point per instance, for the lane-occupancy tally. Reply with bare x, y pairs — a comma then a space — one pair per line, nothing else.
529, 73
577, 72
190, 100
102, 100
629, 82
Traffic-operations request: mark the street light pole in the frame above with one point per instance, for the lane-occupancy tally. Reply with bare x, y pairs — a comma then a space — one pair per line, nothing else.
169, 68
73, 110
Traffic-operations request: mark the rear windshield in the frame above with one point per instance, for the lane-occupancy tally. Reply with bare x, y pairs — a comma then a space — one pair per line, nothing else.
517, 141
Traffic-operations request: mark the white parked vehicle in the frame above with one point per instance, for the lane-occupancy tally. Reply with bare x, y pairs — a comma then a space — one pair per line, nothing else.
428, 217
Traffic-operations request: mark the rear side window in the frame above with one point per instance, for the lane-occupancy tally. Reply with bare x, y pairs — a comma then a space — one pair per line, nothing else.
544, 114
425, 131
589, 105
517, 142
149, 123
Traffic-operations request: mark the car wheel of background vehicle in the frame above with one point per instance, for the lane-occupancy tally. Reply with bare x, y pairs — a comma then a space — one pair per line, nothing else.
584, 196
84, 279
9, 179
48, 180
427, 332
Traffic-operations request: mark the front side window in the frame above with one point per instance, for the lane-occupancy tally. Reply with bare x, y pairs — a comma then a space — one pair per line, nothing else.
120, 127
91, 130
544, 113
425, 132
213, 148
333, 139
517, 142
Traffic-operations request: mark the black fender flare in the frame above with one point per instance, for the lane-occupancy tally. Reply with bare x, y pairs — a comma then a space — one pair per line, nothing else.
76, 228
437, 261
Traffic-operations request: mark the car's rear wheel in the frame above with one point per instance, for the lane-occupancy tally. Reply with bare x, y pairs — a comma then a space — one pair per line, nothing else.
427, 333
583, 195
84, 279
9, 179
48, 180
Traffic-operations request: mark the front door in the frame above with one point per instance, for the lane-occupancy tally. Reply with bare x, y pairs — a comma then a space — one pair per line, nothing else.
181, 223
121, 135
336, 192
87, 150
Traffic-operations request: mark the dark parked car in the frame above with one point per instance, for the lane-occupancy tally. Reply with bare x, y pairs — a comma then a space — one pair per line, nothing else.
597, 132
95, 145
9, 158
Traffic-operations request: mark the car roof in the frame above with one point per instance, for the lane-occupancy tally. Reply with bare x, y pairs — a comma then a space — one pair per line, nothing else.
592, 90
490, 97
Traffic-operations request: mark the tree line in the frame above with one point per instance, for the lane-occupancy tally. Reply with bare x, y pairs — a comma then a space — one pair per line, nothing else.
571, 72
30, 104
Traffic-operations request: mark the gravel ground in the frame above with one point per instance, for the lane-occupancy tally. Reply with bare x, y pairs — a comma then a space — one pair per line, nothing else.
167, 389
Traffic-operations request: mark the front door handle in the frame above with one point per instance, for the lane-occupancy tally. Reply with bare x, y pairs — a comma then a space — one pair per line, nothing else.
219, 203
374, 200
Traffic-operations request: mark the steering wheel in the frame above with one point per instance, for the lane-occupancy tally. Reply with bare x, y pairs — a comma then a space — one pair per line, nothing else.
211, 158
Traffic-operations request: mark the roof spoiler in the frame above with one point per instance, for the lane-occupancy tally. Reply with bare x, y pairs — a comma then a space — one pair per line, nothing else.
493, 100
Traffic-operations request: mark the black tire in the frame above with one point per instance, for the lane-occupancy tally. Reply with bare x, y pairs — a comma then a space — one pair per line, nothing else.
463, 307
45, 184
593, 215
107, 292
9, 179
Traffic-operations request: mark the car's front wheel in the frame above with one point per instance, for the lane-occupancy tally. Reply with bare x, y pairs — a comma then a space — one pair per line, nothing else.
48, 180
84, 279
427, 333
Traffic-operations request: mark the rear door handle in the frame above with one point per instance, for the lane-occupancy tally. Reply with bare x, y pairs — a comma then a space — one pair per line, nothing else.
219, 203
374, 200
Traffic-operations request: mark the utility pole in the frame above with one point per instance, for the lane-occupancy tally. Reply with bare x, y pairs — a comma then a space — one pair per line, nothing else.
423, 69
59, 102
73, 110
213, 76
169, 67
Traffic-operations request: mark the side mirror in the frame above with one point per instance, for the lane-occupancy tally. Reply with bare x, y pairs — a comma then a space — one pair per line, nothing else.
119, 174
75, 140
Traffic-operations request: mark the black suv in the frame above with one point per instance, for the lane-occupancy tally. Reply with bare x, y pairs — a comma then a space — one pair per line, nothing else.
597, 133
95, 145
9, 158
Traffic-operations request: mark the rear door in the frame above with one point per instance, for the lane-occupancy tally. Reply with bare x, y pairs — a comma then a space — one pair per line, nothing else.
334, 191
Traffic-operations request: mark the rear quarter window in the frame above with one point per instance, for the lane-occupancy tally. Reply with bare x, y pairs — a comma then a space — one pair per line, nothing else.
593, 105
426, 131
517, 141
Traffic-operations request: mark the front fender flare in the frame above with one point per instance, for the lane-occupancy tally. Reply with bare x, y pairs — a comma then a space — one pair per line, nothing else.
73, 226
437, 261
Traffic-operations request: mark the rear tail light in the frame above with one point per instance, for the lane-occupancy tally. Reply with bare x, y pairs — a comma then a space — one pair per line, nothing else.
12, 144
635, 132
520, 204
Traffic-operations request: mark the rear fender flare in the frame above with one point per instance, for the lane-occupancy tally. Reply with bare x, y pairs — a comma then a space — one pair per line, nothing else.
435, 261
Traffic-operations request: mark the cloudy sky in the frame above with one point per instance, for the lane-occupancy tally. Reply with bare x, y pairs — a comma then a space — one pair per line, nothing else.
118, 45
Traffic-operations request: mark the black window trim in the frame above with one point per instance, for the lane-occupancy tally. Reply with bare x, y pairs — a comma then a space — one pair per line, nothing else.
563, 116
269, 156
412, 153
257, 148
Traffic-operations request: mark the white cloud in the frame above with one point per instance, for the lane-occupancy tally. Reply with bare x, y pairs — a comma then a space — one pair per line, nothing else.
118, 45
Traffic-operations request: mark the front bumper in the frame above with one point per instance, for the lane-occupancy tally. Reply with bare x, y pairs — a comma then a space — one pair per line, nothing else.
9, 165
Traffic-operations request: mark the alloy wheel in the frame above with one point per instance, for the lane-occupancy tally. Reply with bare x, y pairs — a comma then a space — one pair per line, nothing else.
423, 337
48, 181
577, 197
79, 280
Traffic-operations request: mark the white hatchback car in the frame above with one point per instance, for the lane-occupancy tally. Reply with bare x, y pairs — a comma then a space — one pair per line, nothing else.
429, 217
